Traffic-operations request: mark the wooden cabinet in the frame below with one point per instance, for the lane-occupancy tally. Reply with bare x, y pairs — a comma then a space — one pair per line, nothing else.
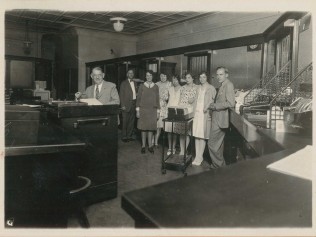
97, 127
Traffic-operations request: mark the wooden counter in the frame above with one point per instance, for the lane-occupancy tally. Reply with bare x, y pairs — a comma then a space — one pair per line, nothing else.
47, 148
41, 166
245, 194
97, 126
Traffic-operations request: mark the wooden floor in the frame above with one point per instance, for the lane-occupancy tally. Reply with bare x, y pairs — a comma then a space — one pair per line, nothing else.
135, 171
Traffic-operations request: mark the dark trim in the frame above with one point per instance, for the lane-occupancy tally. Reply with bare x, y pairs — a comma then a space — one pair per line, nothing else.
221, 44
23, 58
196, 54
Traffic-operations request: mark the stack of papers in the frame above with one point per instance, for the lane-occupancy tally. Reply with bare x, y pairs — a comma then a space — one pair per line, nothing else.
299, 164
31, 106
91, 101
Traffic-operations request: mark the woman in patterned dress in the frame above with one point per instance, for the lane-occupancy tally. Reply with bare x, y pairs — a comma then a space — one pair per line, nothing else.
188, 95
163, 86
174, 97
147, 110
202, 119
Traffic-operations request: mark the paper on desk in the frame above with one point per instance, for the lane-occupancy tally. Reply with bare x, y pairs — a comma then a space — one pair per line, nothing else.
299, 164
91, 101
31, 106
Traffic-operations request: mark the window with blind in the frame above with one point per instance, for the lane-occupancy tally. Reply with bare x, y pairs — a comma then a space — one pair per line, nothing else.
198, 63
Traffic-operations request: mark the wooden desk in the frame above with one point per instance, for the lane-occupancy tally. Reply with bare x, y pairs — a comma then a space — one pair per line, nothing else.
97, 127
51, 140
245, 194
39, 172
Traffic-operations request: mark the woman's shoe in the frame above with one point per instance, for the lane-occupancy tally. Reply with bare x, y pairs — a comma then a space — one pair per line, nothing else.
169, 152
143, 150
197, 163
151, 149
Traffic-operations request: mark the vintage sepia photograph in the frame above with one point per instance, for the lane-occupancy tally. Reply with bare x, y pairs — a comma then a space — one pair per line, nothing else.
137, 118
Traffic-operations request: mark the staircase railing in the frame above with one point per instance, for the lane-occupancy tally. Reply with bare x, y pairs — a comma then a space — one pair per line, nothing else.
257, 88
299, 86
275, 84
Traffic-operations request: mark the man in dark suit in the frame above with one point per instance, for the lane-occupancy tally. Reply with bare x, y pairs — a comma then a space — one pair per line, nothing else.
103, 91
128, 90
224, 100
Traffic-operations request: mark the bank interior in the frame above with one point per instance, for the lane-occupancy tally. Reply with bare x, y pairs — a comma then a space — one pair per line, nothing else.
66, 165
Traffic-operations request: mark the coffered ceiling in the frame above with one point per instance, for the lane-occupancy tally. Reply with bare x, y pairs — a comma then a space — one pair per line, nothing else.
137, 22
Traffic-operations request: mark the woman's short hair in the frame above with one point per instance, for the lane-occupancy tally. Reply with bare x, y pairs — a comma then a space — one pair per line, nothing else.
176, 77
150, 72
190, 73
204, 72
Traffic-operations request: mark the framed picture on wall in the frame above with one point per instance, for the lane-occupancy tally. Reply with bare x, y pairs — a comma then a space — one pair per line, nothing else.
21, 74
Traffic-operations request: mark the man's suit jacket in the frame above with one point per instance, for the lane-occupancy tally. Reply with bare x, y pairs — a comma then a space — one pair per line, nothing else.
107, 95
225, 99
126, 95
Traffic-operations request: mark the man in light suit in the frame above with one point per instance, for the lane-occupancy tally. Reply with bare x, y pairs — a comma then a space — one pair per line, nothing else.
103, 91
224, 100
128, 90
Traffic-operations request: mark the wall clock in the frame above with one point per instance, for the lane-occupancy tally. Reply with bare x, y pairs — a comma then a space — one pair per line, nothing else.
253, 47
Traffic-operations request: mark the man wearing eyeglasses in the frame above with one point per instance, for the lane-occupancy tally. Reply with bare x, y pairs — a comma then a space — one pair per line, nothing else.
103, 91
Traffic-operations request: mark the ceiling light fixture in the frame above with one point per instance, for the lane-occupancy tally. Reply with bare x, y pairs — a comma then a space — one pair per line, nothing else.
118, 23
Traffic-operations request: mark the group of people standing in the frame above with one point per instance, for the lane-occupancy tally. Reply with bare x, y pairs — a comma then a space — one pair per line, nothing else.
210, 121
149, 102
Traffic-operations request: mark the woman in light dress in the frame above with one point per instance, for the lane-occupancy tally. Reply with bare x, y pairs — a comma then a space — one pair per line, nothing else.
174, 97
188, 95
163, 86
202, 120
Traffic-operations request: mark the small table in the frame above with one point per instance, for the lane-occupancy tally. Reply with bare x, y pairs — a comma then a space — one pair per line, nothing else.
175, 161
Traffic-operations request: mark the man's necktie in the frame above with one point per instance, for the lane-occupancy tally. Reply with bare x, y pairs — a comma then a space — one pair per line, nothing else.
97, 93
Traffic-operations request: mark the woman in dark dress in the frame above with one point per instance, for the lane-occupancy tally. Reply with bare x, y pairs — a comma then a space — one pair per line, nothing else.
147, 110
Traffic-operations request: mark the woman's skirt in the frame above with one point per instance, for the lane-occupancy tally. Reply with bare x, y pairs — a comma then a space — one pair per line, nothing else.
201, 125
147, 119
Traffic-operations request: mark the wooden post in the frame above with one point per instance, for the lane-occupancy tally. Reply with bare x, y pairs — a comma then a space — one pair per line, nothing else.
264, 56
295, 48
